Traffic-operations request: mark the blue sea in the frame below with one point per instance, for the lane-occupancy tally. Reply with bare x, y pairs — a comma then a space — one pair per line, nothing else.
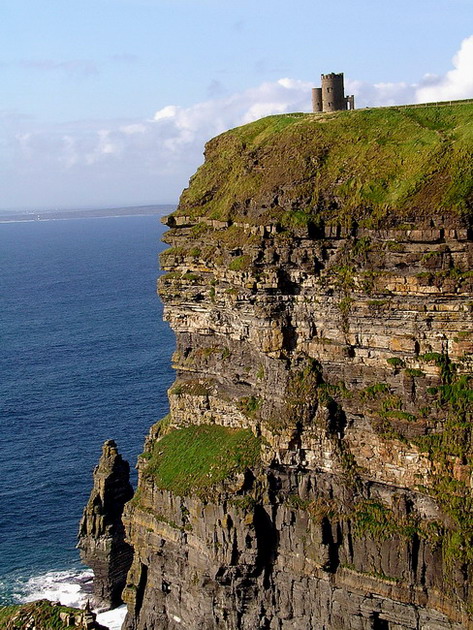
85, 356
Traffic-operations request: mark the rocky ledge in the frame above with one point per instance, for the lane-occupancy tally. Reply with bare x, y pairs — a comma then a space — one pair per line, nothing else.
315, 470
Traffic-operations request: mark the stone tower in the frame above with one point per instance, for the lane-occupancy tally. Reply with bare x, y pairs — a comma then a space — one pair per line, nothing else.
333, 92
331, 96
317, 105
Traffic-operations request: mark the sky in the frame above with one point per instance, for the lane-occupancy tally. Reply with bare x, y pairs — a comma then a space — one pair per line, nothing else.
110, 102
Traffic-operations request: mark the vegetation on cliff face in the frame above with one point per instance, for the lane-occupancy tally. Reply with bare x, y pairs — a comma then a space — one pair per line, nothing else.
362, 165
198, 457
451, 452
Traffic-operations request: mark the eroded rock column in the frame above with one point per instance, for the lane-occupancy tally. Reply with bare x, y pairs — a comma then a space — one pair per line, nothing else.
101, 533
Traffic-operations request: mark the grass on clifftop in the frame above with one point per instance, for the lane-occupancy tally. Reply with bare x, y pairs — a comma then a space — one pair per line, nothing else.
362, 164
194, 459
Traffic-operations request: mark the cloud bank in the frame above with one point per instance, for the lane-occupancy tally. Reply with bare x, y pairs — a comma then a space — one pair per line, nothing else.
140, 161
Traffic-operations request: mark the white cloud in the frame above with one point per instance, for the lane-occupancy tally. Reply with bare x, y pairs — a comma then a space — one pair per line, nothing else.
456, 84
211, 117
133, 128
135, 160
167, 112
381, 94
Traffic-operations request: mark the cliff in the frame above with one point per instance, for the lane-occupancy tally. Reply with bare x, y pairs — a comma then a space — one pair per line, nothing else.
315, 468
101, 532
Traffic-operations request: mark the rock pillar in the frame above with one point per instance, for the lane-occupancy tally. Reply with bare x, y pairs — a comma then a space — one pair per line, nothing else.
101, 532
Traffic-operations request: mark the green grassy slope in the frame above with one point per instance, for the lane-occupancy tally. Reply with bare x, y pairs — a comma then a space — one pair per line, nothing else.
195, 458
366, 165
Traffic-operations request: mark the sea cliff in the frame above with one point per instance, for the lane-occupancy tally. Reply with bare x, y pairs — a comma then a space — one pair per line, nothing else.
314, 470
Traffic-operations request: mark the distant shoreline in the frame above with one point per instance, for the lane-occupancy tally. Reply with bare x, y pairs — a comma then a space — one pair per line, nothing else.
54, 215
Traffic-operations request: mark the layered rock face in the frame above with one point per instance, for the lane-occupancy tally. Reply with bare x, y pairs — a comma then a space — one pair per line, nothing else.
315, 468
101, 532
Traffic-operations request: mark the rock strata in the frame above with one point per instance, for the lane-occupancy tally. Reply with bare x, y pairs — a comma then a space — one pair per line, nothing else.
315, 470
101, 532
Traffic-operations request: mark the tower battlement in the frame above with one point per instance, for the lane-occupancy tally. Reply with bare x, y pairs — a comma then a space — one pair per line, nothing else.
331, 96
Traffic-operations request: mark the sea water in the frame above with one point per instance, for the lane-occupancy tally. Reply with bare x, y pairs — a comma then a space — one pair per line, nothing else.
85, 357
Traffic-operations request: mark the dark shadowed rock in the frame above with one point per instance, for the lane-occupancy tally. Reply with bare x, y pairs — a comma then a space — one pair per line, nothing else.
101, 533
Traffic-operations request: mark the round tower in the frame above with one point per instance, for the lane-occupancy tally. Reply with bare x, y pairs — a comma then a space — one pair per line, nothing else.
317, 100
333, 92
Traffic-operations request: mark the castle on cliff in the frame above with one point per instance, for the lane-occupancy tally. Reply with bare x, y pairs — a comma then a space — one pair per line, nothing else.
331, 96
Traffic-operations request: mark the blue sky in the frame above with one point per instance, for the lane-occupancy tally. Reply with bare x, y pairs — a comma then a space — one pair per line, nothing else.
109, 102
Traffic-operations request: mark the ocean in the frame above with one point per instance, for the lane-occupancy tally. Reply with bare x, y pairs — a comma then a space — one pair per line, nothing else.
85, 356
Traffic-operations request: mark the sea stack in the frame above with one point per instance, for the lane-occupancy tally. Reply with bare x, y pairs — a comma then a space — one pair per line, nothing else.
101, 532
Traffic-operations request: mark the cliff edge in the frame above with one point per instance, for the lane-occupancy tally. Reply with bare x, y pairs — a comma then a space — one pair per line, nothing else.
315, 470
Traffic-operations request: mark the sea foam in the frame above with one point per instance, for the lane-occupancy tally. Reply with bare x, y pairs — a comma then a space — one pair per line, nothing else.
71, 588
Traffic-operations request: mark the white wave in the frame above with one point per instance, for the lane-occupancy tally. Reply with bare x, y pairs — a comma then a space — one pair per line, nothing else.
71, 588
